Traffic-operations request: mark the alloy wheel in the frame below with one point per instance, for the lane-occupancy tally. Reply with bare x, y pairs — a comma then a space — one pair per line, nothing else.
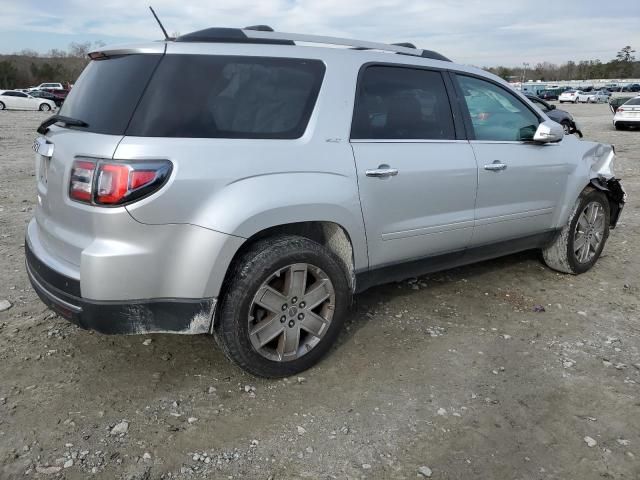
589, 232
291, 312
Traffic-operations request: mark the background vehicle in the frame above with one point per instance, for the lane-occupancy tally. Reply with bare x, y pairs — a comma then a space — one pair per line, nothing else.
615, 102
289, 177
12, 100
48, 86
634, 87
562, 117
49, 96
569, 96
593, 97
628, 114
549, 94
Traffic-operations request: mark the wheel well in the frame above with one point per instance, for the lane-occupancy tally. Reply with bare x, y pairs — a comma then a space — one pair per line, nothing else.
329, 234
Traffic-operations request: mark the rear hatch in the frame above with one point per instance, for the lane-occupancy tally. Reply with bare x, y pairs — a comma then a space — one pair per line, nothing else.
104, 98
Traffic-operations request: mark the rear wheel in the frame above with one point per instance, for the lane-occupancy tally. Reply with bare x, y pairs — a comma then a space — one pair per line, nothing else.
580, 243
283, 308
45, 107
2, 107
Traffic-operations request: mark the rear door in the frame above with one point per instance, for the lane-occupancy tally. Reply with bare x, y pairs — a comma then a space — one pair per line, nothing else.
520, 183
417, 178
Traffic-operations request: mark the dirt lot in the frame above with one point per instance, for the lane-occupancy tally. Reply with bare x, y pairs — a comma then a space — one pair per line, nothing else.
455, 372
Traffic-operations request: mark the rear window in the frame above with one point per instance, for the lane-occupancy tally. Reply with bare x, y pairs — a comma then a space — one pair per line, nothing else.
208, 96
107, 92
633, 101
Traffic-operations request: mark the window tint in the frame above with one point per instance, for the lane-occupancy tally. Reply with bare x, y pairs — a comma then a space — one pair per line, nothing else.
398, 103
633, 101
496, 114
210, 96
108, 91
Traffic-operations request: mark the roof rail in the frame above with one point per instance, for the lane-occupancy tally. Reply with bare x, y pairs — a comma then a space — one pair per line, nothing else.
262, 34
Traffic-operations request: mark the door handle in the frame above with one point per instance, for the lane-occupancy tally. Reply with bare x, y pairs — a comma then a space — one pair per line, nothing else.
383, 171
496, 166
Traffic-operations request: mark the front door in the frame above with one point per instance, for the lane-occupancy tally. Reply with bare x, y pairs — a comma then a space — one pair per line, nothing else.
520, 183
417, 181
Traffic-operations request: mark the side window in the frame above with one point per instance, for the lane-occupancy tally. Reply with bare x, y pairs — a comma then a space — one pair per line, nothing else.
397, 103
20, 94
495, 113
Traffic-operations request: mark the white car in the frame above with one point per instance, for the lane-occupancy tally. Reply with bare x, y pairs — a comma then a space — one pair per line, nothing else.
627, 114
14, 100
48, 86
569, 96
593, 97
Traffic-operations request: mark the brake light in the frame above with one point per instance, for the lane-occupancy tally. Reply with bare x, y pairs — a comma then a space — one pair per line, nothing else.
104, 182
620, 109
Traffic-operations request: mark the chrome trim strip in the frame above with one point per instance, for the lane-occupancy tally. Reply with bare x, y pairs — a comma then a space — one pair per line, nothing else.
513, 216
451, 227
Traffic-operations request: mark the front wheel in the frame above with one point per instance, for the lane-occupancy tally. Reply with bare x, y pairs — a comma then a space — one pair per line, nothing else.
580, 242
2, 107
45, 107
284, 306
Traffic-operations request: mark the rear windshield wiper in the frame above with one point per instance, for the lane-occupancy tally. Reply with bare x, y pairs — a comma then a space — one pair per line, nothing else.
72, 122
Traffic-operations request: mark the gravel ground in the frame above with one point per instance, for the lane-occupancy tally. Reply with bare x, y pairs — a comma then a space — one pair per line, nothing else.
455, 375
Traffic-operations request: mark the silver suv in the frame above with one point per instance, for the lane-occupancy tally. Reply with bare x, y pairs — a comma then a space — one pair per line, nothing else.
246, 183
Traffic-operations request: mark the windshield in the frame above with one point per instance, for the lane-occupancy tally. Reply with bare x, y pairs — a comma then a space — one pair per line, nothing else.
108, 91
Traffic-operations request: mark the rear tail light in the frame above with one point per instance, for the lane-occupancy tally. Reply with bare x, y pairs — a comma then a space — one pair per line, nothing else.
620, 109
106, 182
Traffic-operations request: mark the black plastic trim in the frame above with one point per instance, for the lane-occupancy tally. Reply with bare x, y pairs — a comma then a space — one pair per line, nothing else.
227, 35
422, 266
56, 280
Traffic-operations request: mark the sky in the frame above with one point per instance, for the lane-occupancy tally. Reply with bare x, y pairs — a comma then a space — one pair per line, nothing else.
483, 33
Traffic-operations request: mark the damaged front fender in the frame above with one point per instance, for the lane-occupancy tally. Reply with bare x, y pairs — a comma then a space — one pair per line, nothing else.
603, 178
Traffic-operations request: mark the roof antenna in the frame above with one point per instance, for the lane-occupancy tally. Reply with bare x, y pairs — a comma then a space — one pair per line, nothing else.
166, 37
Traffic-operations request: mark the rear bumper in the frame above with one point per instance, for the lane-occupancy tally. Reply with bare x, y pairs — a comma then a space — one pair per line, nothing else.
62, 294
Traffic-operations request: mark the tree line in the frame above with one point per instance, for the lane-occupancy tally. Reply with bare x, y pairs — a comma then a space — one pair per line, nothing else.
624, 65
28, 68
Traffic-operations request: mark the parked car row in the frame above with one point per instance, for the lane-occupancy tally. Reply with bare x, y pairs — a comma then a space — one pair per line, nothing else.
580, 96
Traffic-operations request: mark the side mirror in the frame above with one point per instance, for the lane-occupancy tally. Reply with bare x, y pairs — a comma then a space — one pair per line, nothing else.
548, 131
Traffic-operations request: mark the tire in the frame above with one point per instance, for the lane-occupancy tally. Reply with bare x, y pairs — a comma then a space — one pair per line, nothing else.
563, 254
268, 266
566, 126
619, 127
44, 107
2, 107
